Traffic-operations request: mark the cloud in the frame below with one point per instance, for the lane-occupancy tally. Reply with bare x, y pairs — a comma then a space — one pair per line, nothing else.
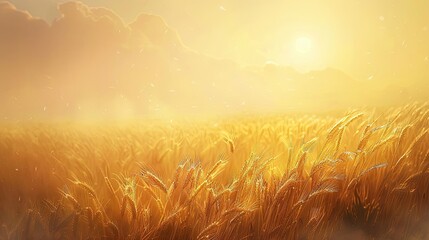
86, 55
22, 42
156, 30
82, 27
88, 58
81, 35
89, 61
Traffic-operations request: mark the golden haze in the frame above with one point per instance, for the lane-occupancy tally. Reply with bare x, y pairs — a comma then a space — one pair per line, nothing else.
89, 63
241, 119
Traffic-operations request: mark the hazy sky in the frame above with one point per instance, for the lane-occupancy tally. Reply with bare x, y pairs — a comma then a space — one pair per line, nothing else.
366, 38
123, 58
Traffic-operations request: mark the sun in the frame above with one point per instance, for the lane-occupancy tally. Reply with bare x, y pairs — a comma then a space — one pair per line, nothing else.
303, 45
304, 52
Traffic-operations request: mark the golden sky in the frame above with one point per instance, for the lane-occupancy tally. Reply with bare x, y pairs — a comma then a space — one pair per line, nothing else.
362, 37
82, 55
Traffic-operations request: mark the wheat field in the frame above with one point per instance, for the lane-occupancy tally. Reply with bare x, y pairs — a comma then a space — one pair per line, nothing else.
360, 174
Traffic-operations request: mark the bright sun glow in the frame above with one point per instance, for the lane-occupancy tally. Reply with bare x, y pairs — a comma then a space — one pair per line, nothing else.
303, 45
303, 54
